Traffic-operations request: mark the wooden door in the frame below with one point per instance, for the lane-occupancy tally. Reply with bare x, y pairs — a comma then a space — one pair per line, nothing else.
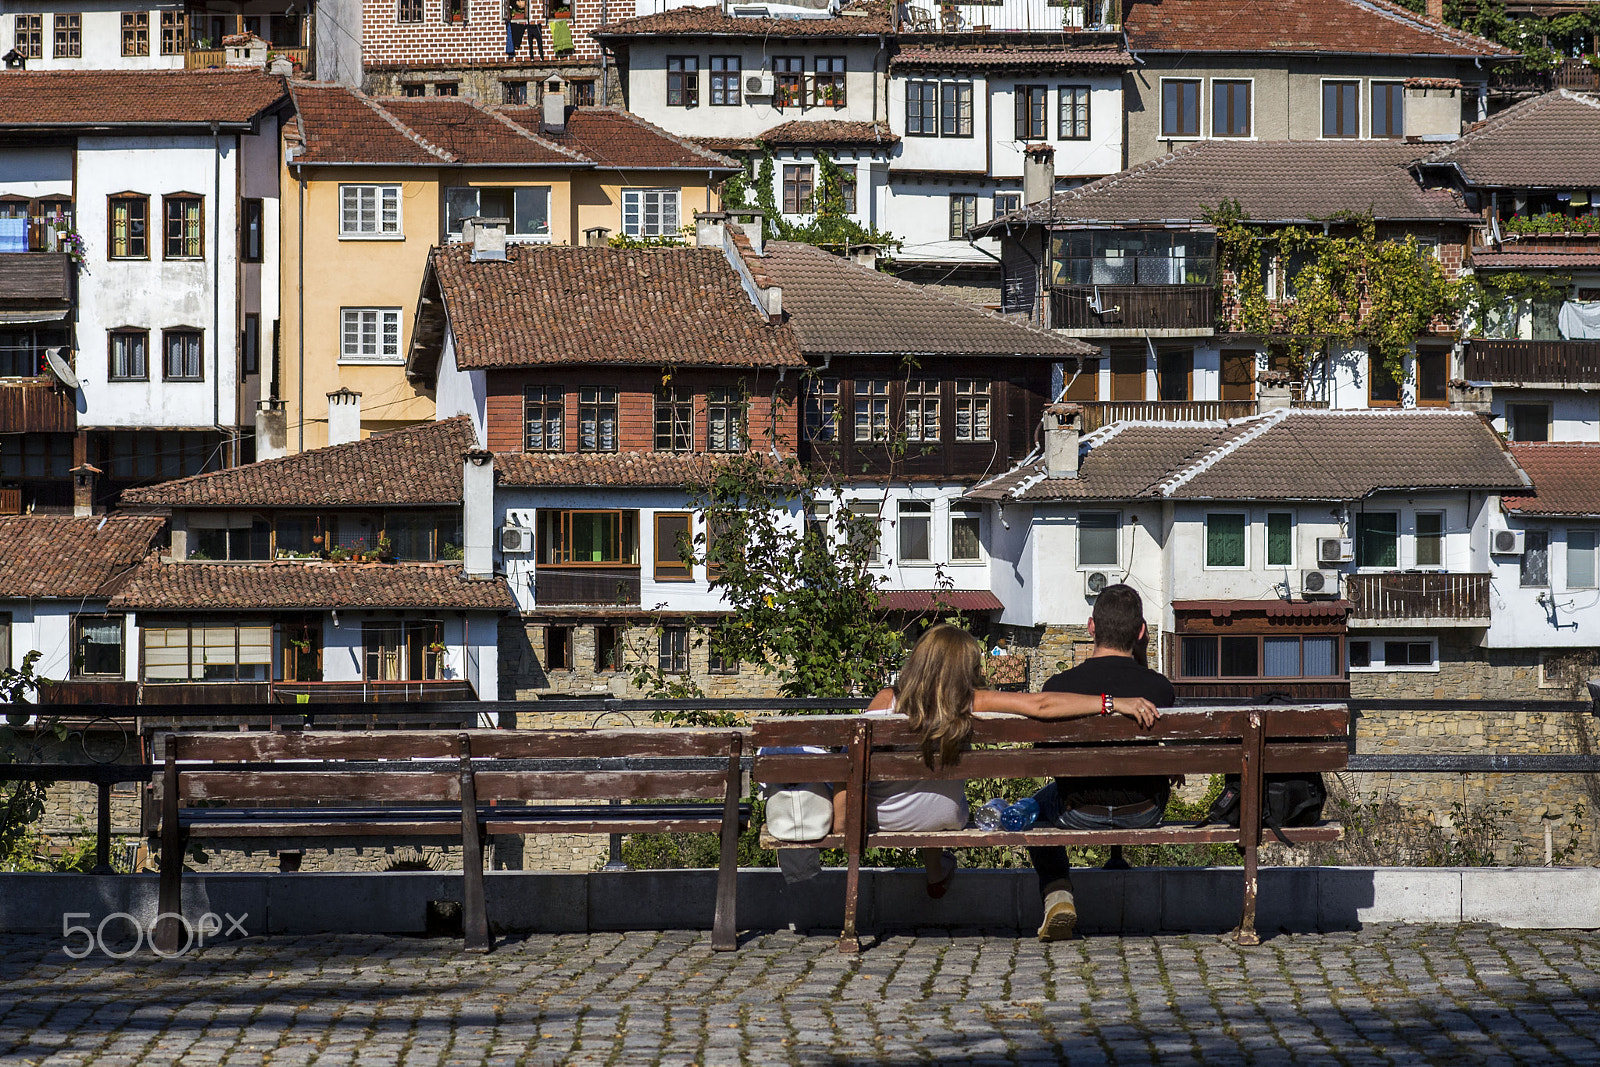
1127, 375
1087, 386
1175, 376
1238, 374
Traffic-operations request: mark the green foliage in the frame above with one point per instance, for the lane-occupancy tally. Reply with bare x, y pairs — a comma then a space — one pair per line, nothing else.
1552, 222
1542, 42
21, 736
667, 240
829, 226
1380, 831
1504, 295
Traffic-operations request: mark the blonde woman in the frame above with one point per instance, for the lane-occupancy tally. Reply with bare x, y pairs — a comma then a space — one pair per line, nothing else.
938, 690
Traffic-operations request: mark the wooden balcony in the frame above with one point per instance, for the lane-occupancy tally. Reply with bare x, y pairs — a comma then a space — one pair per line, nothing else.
34, 405
1571, 73
1134, 310
1098, 413
35, 279
407, 692
1532, 362
1396, 599
587, 585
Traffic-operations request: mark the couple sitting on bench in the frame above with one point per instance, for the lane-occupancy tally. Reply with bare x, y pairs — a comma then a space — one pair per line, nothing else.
941, 686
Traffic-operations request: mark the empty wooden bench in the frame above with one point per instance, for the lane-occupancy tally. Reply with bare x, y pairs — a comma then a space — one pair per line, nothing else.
1247, 741
414, 785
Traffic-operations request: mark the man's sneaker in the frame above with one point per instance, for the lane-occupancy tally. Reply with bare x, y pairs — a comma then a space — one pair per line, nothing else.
1060, 917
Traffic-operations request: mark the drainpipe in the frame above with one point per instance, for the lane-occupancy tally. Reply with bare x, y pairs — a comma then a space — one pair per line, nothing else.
300, 300
216, 288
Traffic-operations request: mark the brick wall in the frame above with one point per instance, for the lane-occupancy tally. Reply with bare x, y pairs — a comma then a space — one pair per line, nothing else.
481, 38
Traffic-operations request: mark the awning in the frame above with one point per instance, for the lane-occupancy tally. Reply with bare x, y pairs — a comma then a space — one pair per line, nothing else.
1275, 609
22, 317
931, 599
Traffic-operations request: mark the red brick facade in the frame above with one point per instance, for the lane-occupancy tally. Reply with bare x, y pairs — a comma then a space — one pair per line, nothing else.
480, 39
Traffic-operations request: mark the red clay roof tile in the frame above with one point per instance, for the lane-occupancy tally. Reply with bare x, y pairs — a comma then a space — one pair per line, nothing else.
1348, 27
860, 19
1565, 475
295, 584
34, 98
54, 557
1551, 141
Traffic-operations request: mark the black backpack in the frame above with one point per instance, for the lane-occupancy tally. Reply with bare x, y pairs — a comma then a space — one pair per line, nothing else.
1289, 800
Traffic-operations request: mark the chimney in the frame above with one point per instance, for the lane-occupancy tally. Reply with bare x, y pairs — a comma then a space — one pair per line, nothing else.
283, 66
554, 119
245, 50
84, 476
1062, 425
1038, 173
272, 429
710, 228
344, 417
487, 238
1471, 396
597, 236
1436, 10
750, 221
864, 256
477, 514
1274, 391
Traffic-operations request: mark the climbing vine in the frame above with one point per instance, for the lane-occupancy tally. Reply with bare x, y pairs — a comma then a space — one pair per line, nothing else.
830, 225
1495, 300
1541, 42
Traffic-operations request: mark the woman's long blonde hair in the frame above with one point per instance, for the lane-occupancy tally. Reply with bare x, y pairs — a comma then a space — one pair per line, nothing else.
934, 691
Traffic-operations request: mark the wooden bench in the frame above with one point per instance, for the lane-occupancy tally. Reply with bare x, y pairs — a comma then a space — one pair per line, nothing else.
415, 785
1247, 741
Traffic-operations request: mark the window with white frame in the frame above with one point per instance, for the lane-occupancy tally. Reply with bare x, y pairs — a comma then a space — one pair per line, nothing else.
1581, 569
1280, 538
1099, 536
872, 409
916, 531
650, 212
822, 409
966, 545
972, 409
225, 652
866, 529
369, 335
1394, 654
1430, 539
369, 211
1225, 539
922, 410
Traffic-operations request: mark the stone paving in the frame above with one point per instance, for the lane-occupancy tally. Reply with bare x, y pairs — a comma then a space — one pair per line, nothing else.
1384, 995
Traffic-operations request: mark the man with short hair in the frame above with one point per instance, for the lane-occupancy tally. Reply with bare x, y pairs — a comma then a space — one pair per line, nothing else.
1102, 803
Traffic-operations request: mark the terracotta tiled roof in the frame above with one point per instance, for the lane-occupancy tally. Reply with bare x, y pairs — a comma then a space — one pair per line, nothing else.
930, 599
612, 137
829, 131
413, 466
837, 307
1511, 258
1340, 27
469, 133
1551, 141
727, 144
53, 557
1121, 462
585, 469
1010, 58
1273, 181
867, 19
294, 584
658, 307
33, 98
1566, 476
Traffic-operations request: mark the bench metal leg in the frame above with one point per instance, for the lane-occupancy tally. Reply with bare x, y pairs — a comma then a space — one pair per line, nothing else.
1250, 796
474, 913
855, 818
724, 927
165, 936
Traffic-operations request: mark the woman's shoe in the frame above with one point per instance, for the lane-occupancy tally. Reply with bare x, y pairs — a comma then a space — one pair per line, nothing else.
947, 863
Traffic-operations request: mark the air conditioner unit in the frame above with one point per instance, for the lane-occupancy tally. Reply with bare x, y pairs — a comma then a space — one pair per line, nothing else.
1335, 550
1506, 542
516, 539
761, 84
1319, 583
1094, 582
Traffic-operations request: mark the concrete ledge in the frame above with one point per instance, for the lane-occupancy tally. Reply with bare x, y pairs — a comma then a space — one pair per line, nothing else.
1147, 900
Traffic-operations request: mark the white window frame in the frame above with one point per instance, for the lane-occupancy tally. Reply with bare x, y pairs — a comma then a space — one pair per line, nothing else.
1211, 104
1444, 540
1205, 538
1566, 559
385, 197
925, 514
1370, 88
958, 510
1077, 542
635, 202
1379, 665
1200, 107
1361, 104
1294, 540
379, 318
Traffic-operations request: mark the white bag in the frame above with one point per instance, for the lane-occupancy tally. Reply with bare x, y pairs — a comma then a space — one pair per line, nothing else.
802, 812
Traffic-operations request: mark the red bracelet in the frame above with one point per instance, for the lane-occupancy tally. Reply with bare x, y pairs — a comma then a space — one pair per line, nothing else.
1107, 705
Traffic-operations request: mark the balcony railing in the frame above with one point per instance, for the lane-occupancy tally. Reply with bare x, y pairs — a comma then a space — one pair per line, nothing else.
32, 406
1189, 308
35, 279
1553, 362
1572, 73
1098, 413
406, 692
587, 586
204, 58
1408, 598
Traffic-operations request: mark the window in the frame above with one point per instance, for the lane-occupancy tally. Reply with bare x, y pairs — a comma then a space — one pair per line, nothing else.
1238, 374
97, 646
1341, 109
601, 538
1072, 113
963, 214
1528, 422
1005, 203
409, 11
129, 356
558, 648
227, 652
724, 420
1400, 654
130, 214
69, 37
972, 409
402, 651
1536, 559
369, 335
1230, 109
674, 421
608, 648
1378, 539
872, 409
1258, 656
822, 409
182, 356
965, 524
1225, 539
1098, 538
650, 212
789, 81
174, 39
1432, 374
544, 418
525, 208
922, 410
922, 109
36, 455
5, 640
719, 660
1430, 539
828, 82
1029, 102
152, 456
22, 350
455, 10
683, 81
847, 187
1280, 539
413, 89
29, 41
1383, 388
956, 116
184, 231
135, 33
1180, 108
673, 547
725, 87
866, 529
597, 420
580, 92
916, 531
369, 210
1174, 376
672, 649
1581, 569
514, 93
1388, 109
797, 189
1132, 257
252, 229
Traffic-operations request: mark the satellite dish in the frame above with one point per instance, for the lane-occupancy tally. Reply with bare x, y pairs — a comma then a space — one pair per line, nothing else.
56, 360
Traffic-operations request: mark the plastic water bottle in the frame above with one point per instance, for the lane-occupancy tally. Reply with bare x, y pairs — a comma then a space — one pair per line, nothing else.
988, 817
1021, 815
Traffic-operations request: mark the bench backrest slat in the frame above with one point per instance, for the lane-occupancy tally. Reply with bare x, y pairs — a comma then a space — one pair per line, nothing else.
1089, 762
803, 767
590, 744
599, 785
259, 746
319, 787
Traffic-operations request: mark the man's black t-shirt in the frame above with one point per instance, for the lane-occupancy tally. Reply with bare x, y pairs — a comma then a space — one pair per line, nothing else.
1120, 676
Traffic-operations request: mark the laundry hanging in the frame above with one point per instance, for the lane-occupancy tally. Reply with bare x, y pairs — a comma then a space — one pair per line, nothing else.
561, 35
1579, 320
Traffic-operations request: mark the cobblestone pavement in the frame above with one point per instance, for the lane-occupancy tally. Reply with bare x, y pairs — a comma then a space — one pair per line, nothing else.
1384, 995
